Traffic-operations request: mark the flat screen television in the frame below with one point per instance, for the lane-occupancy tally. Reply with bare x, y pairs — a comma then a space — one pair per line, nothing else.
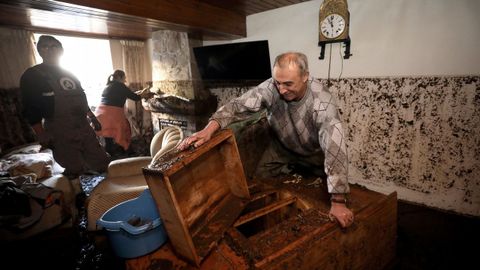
234, 62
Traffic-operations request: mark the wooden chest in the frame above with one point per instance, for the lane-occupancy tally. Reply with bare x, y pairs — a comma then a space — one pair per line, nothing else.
284, 225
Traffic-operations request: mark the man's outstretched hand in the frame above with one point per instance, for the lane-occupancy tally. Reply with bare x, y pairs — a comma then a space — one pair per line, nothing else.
200, 137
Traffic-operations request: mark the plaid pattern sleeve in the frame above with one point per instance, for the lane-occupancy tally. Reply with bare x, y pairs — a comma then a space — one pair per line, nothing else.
332, 141
241, 108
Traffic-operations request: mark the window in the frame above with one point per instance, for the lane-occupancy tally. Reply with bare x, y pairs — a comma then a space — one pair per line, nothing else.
89, 60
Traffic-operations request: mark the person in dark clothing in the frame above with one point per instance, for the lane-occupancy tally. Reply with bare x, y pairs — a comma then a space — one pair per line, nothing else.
110, 113
56, 107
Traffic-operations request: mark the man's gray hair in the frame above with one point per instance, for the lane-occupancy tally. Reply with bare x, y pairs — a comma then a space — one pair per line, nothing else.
292, 58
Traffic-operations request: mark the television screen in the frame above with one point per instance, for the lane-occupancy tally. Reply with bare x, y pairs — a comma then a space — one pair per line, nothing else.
244, 61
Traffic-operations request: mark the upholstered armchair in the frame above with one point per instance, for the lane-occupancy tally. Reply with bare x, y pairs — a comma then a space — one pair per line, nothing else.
124, 179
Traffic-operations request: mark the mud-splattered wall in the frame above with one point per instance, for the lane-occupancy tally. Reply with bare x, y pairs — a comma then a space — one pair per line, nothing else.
418, 136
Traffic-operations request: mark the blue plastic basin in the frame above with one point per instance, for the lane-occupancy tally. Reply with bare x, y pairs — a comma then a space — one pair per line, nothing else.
134, 227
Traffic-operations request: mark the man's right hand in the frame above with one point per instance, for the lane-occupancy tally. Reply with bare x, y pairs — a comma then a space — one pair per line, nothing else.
201, 137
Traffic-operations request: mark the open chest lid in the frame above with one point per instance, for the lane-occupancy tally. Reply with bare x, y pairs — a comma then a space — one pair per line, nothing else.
199, 194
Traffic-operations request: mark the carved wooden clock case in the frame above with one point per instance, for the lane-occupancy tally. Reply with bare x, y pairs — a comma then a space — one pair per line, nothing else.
334, 22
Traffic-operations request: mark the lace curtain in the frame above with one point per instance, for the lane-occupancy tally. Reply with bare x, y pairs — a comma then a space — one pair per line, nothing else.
134, 62
17, 53
133, 54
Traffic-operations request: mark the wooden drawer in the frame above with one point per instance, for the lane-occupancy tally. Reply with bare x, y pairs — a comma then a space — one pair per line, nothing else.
199, 194
286, 226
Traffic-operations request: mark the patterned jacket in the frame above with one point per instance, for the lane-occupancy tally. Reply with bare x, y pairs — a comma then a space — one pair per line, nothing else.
305, 127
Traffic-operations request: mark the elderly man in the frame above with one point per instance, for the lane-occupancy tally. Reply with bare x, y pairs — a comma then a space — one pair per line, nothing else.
305, 120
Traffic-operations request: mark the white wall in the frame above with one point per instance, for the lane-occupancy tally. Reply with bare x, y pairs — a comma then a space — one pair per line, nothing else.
389, 37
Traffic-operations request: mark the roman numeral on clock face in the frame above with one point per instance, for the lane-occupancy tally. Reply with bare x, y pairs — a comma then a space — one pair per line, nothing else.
332, 26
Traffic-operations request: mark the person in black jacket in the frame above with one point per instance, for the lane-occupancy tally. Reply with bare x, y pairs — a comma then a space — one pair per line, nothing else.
115, 126
56, 107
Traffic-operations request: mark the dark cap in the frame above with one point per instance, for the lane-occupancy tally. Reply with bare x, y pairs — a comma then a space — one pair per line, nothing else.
45, 38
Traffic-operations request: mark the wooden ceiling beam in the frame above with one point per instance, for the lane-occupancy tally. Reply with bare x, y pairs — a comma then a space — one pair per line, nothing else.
193, 14
123, 19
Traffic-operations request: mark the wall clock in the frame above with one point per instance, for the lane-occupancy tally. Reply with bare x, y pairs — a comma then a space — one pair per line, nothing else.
334, 21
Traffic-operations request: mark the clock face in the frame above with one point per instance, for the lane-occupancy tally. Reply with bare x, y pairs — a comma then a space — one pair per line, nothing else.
332, 26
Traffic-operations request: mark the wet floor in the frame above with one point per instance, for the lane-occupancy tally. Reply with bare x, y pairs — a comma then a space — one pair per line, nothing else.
432, 239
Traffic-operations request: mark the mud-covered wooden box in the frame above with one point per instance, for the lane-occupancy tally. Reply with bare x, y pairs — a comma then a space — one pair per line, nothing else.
199, 194
286, 226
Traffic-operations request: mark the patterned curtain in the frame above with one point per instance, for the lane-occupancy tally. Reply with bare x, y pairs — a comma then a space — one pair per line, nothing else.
17, 53
133, 54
